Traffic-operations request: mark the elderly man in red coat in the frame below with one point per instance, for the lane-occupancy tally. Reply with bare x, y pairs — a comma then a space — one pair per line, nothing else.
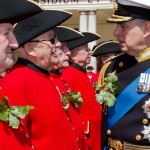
10, 14
28, 83
76, 78
70, 103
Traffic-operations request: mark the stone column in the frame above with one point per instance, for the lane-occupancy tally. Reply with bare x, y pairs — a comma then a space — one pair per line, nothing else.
83, 26
92, 28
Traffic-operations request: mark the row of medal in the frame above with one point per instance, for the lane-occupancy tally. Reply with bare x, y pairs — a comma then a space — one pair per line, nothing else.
144, 83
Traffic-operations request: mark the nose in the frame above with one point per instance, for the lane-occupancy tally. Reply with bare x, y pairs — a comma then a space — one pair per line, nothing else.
117, 31
68, 52
90, 51
13, 43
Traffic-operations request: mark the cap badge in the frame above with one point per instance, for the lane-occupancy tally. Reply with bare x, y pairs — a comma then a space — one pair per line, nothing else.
115, 5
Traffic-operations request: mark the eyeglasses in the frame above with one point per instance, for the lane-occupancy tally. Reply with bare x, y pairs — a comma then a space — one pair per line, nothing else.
86, 49
52, 40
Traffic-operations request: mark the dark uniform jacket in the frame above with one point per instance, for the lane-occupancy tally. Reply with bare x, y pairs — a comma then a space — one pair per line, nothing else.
78, 81
48, 125
129, 128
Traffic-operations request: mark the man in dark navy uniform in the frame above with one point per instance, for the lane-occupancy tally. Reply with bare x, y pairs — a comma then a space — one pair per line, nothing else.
128, 120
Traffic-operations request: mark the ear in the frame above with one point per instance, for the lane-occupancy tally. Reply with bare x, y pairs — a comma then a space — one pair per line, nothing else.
146, 29
72, 56
28, 47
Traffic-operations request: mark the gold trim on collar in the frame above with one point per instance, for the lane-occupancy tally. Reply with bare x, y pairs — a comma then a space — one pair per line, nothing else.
102, 73
144, 55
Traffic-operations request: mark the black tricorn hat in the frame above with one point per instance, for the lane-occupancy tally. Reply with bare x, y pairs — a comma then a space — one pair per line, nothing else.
66, 34
38, 24
105, 48
87, 38
12, 11
89, 68
127, 10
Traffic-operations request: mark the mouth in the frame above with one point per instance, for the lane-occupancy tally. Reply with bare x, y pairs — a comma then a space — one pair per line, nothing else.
121, 42
66, 60
9, 51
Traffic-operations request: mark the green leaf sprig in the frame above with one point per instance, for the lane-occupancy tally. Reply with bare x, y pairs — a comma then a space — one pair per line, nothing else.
11, 114
73, 98
107, 91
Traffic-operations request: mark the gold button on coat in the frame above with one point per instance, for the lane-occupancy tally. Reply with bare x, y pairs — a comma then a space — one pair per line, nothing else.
138, 137
121, 64
145, 121
108, 132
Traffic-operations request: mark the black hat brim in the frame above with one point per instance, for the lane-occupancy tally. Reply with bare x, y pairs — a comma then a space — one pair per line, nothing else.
106, 47
87, 38
66, 34
13, 11
36, 25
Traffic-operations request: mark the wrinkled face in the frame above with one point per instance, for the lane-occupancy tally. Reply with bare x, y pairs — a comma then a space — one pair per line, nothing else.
82, 55
44, 50
63, 56
7, 43
131, 36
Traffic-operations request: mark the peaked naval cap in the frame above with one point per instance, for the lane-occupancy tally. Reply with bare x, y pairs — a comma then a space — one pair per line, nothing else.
12, 11
38, 24
127, 10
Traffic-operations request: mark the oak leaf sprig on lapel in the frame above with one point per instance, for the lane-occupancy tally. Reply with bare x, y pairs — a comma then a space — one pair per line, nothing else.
12, 114
73, 98
107, 91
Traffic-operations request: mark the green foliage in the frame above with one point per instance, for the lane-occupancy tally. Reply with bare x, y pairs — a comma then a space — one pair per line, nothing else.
73, 98
11, 114
106, 93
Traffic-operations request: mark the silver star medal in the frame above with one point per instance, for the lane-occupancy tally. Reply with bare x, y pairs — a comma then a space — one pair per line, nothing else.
146, 108
146, 132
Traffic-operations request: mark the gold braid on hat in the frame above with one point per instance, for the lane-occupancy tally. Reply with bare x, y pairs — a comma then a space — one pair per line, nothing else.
116, 18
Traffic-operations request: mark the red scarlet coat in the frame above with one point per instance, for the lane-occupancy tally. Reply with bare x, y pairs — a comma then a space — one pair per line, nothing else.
13, 139
92, 76
97, 76
73, 113
48, 125
77, 79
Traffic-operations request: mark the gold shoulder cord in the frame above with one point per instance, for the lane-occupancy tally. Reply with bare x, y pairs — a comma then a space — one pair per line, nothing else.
144, 55
102, 73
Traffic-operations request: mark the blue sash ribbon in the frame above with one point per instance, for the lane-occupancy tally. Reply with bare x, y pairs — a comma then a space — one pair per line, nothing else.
125, 101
